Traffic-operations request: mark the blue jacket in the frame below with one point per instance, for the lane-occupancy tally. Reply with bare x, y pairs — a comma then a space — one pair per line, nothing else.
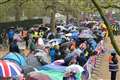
92, 43
10, 34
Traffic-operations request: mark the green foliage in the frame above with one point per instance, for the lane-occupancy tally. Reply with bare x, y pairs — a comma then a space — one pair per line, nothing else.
33, 8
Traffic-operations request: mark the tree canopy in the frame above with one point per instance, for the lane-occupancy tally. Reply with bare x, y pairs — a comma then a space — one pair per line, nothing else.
17, 9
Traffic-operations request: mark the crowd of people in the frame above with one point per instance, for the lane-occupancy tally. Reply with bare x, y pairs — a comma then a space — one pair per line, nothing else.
74, 46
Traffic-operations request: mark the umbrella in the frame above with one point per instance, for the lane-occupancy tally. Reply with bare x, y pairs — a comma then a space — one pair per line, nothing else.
73, 28
16, 57
12, 28
62, 28
44, 28
42, 55
74, 68
32, 60
58, 62
40, 52
55, 41
38, 76
68, 34
55, 72
9, 69
72, 34
86, 36
66, 44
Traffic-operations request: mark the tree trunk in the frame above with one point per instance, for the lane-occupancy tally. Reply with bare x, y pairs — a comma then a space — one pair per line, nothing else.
17, 10
108, 27
67, 17
53, 28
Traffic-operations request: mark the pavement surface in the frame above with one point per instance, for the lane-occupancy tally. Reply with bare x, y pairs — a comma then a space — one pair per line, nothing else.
101, 72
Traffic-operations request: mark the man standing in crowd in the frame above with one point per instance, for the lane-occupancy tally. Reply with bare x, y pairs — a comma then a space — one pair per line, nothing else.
24, 36
10, 35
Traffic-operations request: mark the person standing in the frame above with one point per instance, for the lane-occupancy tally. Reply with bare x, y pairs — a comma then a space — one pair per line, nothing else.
1, 40
113, 65
24, 36
52, 54
4, 39
10, 35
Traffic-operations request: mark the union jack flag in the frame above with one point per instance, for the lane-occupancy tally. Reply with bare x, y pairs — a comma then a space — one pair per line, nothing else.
9, 69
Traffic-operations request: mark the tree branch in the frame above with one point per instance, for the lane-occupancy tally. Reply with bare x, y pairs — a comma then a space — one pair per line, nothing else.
4, 2
111, 6
21, 3
49, 6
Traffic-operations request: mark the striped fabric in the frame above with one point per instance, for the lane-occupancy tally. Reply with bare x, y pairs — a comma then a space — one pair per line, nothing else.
113, 67
100, 47
9, 69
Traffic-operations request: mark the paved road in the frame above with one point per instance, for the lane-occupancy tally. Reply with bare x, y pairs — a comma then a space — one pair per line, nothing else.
102, 71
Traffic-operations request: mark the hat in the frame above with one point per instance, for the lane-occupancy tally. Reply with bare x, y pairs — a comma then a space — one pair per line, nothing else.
113, 52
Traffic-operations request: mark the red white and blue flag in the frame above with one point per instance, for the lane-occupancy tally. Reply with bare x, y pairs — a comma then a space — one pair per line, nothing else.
100, 47
9, 69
